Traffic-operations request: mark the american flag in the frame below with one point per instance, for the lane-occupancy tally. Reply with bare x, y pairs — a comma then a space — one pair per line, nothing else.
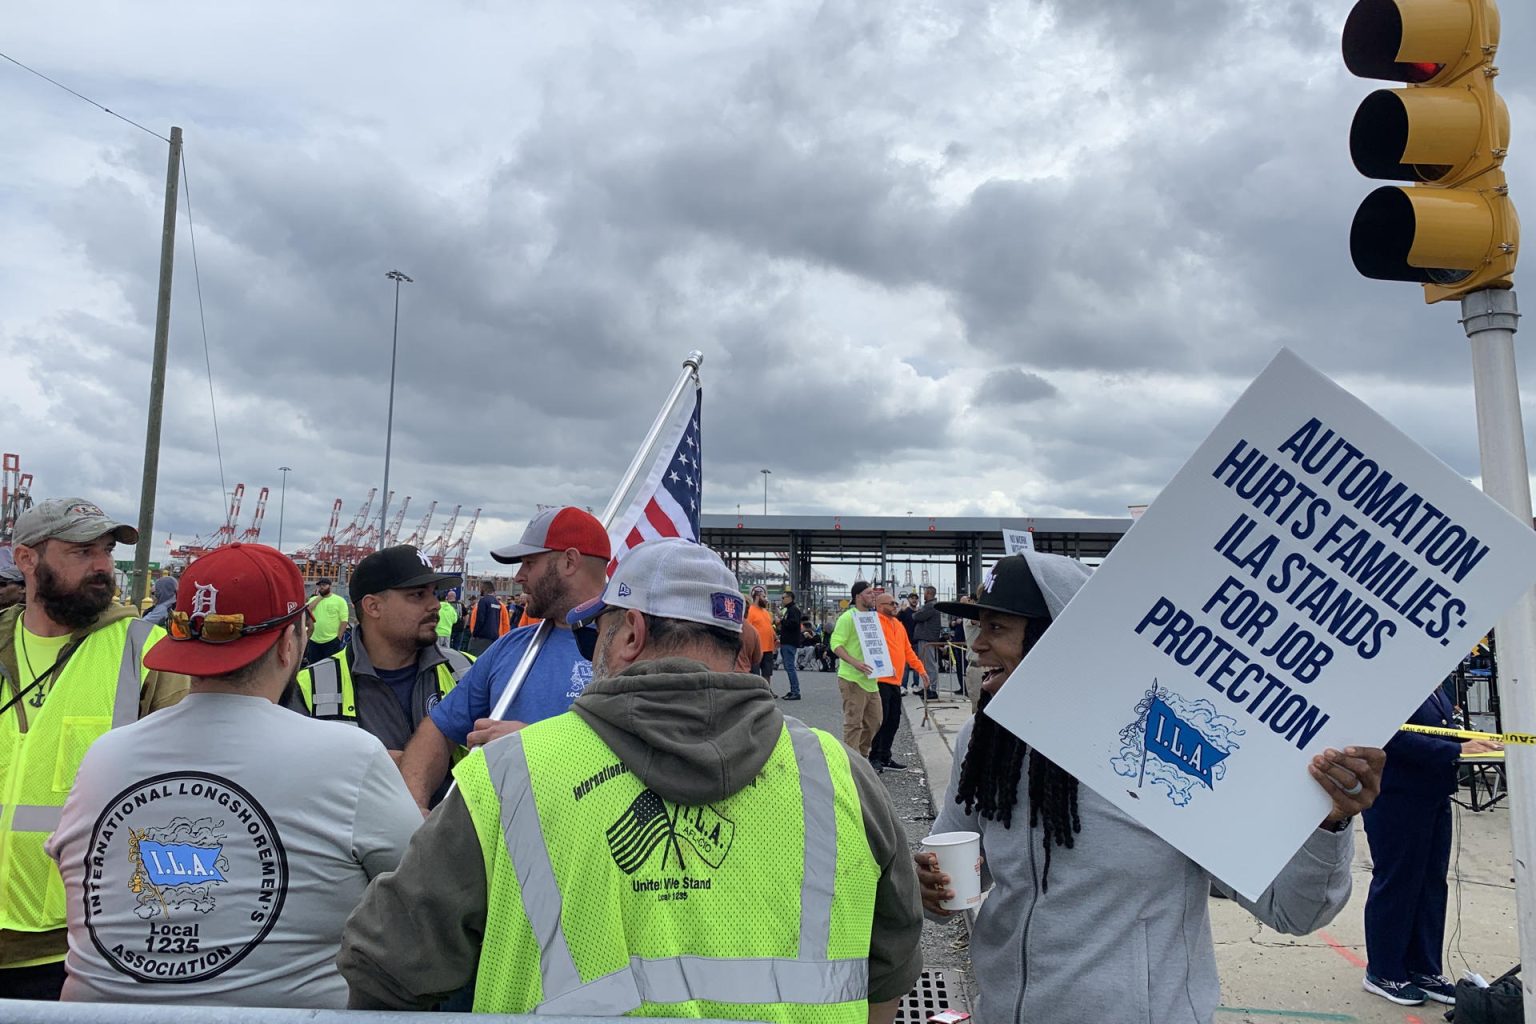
667, 504
640, 829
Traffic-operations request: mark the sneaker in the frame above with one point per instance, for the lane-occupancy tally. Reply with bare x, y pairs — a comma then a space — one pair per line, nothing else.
1435, 987
791, 696
893, 766
1403, 993
931, 695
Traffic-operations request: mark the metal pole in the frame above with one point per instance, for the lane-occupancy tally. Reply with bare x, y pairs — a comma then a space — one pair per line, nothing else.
389, 424
1490, 318
282, 504
140, 582
641, 460
765, 473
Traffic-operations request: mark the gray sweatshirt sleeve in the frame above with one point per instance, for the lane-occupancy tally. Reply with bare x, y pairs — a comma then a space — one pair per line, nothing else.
386, 816
1311, 889
895, 950
416, 936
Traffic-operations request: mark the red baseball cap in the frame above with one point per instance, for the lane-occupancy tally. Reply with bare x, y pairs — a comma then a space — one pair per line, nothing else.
256, 582
556, 529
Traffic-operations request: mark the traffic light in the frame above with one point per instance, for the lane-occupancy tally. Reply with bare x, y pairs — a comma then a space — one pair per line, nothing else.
1454, 230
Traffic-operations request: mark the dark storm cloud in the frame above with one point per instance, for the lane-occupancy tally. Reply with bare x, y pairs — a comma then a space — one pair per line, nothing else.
856, 210
1013, 385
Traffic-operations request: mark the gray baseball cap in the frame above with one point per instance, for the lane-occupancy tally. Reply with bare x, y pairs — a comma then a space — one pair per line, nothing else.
670, 578
73, 520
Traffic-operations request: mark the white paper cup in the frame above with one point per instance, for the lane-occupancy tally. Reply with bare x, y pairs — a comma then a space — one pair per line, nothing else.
959, 855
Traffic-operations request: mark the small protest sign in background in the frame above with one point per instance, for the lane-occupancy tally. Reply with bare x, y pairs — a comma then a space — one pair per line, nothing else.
872, 640
1304, 582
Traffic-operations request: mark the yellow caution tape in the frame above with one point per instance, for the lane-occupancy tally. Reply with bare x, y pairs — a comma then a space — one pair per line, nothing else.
1520, 738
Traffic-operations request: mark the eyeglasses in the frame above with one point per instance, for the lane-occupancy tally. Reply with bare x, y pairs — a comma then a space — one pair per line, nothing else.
224, 629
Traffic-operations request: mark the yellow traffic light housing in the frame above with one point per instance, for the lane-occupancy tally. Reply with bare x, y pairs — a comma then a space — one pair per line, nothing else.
1454, 230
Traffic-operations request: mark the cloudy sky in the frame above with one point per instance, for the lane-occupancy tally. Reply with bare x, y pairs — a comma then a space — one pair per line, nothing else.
953, 258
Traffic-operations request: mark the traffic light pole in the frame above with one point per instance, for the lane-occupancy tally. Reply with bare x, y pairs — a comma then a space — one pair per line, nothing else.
1491, 317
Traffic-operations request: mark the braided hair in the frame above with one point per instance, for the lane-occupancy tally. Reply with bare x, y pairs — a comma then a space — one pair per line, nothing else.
989, 777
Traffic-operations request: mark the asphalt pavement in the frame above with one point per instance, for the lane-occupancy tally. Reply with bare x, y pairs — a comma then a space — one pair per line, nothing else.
944, 945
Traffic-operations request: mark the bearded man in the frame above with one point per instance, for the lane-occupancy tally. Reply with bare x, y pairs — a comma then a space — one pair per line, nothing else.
562, 561
71, 668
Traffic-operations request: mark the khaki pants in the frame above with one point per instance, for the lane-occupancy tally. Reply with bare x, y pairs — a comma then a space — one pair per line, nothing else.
861, 715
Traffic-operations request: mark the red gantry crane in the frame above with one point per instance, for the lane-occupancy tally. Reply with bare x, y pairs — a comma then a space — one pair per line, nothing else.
419, 535
252, 533
458, 555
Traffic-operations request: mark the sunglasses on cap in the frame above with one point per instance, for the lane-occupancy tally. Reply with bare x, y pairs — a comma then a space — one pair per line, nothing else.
224, 629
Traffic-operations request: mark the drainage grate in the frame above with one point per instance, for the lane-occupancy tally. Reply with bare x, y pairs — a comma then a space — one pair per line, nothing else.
930, 996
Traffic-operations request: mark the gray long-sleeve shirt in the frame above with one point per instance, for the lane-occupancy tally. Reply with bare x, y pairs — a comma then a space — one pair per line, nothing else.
1123, 934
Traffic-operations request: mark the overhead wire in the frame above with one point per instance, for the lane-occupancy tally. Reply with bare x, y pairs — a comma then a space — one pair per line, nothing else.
87, 99
192, 234
202, 320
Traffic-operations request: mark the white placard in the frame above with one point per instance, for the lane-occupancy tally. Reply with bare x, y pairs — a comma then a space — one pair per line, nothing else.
1307, 578
872, 641
1015, 541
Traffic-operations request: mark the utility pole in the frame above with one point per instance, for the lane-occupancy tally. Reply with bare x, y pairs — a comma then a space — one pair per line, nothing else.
389, 426
140, 582
1490, 318
282, 503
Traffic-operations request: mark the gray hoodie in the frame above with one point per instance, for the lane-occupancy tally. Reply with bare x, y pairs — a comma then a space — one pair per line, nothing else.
693, 736
1123, 934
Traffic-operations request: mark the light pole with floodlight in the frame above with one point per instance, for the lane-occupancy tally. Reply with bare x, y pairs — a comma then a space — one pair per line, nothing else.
282, 503
765, 473
389, 424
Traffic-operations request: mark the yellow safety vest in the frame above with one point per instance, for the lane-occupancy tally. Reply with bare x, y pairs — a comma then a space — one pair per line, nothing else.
96, 690
329, 692
605, 899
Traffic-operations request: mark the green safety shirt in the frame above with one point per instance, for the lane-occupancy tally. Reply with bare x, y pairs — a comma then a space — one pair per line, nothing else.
604, 898
329, 612
447, 615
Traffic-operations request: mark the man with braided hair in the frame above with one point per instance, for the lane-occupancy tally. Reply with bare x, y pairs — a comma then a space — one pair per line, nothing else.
1092, 917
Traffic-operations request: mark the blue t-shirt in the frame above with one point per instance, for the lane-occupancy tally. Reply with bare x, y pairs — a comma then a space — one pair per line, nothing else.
403, 682
558, 676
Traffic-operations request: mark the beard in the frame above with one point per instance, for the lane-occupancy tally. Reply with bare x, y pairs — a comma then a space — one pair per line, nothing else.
76, 608
545, 594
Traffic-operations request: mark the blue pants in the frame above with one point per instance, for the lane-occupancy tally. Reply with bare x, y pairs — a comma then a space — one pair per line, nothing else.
787, 656
1410, 839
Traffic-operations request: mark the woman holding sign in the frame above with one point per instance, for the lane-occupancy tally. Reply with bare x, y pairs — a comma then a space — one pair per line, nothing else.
1091, 916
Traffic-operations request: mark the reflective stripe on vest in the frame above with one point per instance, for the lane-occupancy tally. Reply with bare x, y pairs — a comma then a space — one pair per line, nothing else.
327, 684
125, 709
87, 699
325, 689
811, 979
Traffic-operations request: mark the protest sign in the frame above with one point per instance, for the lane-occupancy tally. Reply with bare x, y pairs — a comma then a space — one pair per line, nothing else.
1015, 541
872, 641
1307, 578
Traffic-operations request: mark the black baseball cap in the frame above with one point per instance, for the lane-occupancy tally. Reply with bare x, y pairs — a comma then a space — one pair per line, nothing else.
1009, 588
398, 568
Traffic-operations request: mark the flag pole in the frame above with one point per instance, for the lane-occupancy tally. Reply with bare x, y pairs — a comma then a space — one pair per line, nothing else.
640, 461
1145, 729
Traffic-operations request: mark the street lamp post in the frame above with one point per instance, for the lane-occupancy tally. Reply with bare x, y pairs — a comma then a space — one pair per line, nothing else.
389, 425
765, 473
282, 504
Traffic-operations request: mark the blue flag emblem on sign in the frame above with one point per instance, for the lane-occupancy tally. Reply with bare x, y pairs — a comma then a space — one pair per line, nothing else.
1175, 741
180, 863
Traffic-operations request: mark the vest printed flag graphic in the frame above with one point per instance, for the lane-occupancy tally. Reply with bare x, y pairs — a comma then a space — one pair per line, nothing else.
634, 837
1174, 740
